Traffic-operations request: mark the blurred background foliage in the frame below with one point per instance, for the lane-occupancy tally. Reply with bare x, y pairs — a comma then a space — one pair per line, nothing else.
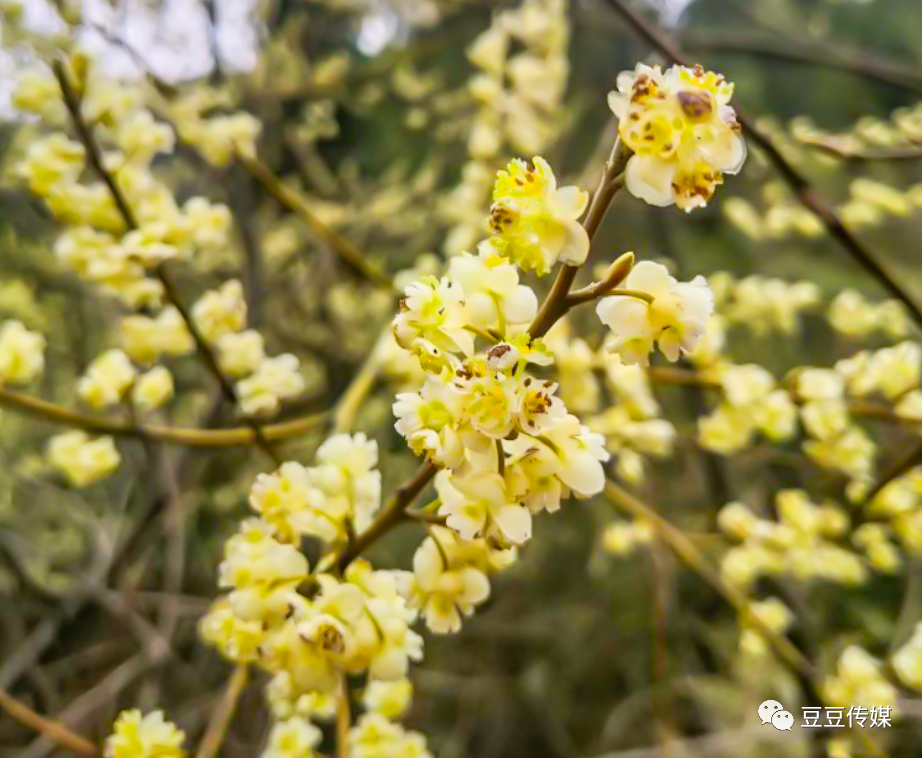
578, 653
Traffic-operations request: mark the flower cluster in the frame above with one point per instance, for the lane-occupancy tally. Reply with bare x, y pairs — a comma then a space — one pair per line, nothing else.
859, 681
311, 629
22, 353
852, 315
750, 403
534, 223
869, 205
621, 538
120, 230
800, 543
100, 243
783, 218
907, 662
202, 121
144, 736
263, 381
616, 400
772, 615
81, 459
763, 304
835, 441
517, 93
341, 493
895, 512
682, 131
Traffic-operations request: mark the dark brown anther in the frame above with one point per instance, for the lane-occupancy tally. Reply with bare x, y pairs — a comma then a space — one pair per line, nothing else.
695, 104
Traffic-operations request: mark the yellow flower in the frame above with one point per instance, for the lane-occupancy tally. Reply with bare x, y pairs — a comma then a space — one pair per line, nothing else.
22, 353
138, 736
152, 389
81, 459
533, 221
682, 130
106, 379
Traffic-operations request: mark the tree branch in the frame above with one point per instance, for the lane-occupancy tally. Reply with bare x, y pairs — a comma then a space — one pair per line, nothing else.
56, 731
221, 717
188, 436
94, 157
861, 63
556, 304
297, 204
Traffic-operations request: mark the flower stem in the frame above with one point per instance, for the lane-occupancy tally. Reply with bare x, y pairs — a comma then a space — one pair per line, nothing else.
556, 304
390, 516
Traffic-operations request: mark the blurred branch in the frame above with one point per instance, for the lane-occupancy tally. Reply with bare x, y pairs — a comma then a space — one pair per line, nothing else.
192, 437
298, 204
222, 715
362, 383
104, 693
58, 732
831, 146
685, 550
863, 63
801, 187
94, 157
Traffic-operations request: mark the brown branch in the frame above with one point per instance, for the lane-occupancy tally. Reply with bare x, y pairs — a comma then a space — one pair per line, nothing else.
187, 436
831, 146
557, 302
94, 157
861, 63
56, 731
222, 716
686, 551
803, 190
392, 515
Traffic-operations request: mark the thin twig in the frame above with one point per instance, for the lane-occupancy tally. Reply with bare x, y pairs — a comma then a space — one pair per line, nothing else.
343, 719
803, 190
686, 551
95, 160
187, 436
58, 732
832, 146
297, 204
104, 693
861, 63
222, 715
390, 516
